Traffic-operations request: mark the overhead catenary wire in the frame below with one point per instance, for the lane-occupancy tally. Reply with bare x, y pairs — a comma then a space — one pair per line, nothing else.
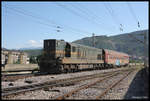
24, 12
137, 21
57, 30
74, 30
133, 14
28, 14
99, 18
90, 15
42, 18
136, 38
39, 22
62, 25
77, 14
115, 19
112, 13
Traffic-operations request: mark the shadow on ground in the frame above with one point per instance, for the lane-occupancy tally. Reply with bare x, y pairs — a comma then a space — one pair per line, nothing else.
139, 87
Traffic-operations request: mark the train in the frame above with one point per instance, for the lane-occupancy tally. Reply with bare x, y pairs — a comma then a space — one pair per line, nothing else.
59, 56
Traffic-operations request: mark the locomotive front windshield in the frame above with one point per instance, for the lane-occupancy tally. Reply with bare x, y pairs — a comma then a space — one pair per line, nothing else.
50, 47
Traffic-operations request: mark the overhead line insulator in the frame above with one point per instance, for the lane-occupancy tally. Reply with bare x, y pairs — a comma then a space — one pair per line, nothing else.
138, 24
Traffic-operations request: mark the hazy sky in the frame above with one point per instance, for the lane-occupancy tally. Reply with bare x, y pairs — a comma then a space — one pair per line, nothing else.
27, 24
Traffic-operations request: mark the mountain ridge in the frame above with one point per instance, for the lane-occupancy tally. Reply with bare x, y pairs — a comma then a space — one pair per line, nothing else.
122, 42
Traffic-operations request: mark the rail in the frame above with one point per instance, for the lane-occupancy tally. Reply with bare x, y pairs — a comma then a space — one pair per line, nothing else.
91, 84
31, 87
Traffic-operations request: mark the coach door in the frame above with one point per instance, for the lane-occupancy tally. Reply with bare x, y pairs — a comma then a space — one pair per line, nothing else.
103, 55
67, 50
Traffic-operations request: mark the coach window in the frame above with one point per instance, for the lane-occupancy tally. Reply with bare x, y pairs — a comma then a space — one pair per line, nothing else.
73, 49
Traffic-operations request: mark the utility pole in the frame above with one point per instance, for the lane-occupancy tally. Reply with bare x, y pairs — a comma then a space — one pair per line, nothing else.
93, 40
146, 51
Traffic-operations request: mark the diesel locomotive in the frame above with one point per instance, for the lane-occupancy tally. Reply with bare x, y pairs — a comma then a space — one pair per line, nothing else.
60, 56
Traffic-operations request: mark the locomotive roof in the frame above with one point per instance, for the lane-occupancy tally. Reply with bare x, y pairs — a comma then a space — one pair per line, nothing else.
75, 44
100, 49
116, 52
49, 39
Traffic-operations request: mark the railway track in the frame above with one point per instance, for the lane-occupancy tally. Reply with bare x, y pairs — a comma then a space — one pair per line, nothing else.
74, 91
8, 92
112, 85
13, 77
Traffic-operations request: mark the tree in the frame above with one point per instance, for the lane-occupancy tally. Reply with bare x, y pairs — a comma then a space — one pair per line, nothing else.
33, 59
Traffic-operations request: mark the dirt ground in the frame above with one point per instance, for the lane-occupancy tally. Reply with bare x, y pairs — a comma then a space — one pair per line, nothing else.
139, 87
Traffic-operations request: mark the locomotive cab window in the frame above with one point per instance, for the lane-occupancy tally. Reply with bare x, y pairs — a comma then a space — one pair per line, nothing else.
68, 50
48, 44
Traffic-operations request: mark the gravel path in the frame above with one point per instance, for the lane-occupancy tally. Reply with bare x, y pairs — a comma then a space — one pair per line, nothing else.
130, 88
51, 93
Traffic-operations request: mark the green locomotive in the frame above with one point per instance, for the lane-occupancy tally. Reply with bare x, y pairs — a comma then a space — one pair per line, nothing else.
60, 56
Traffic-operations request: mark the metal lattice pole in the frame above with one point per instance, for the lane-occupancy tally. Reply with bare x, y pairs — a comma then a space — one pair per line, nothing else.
93, 40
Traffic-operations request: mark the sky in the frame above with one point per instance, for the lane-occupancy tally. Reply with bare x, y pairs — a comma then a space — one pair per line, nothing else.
27, 24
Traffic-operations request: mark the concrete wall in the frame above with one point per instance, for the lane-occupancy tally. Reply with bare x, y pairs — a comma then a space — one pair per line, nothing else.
12, 67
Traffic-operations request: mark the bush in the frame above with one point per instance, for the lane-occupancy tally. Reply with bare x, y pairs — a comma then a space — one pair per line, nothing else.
17, 62
33, 60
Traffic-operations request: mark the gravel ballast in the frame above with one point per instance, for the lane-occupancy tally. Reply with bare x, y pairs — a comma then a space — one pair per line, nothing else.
40, 79
119, 92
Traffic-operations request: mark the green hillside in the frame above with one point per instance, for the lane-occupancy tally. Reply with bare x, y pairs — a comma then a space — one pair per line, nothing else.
122, 42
